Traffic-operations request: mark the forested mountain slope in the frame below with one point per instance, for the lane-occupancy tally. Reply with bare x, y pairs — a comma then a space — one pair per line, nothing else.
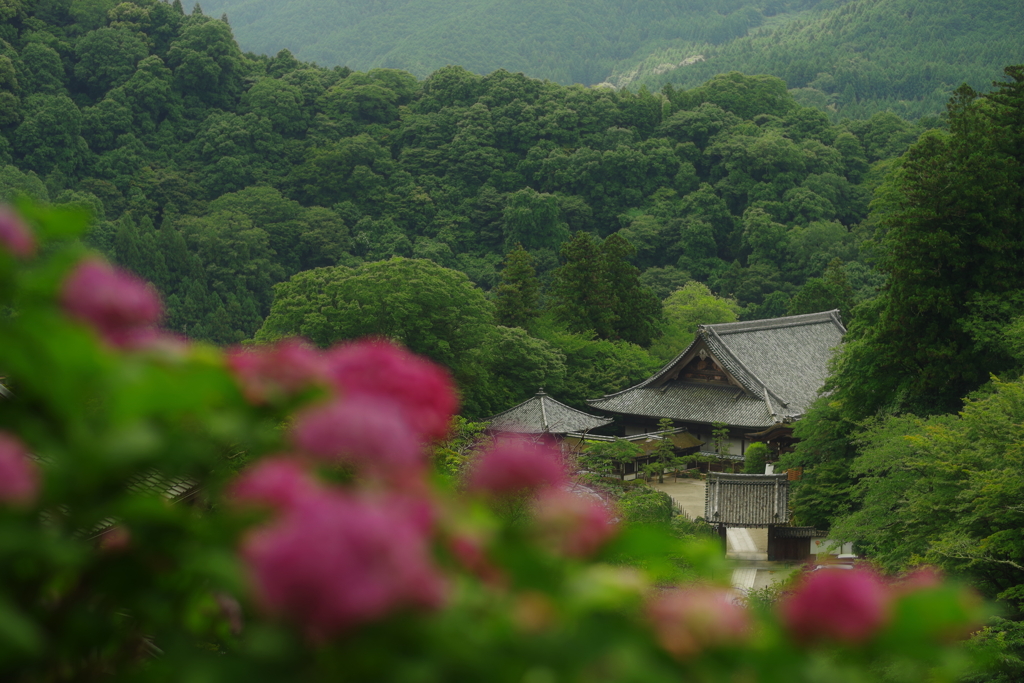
567, 41
850, 58
859, 57
217, 175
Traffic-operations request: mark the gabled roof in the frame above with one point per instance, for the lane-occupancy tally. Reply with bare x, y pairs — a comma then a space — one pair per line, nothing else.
772, 371
746, 500
544, 415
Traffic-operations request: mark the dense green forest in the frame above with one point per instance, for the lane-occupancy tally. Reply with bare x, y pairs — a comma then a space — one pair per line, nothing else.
217, 175
857, 58
578, 41
850, 59
915, 452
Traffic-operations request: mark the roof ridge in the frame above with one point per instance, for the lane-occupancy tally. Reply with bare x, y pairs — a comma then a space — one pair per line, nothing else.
774, 323
751, 375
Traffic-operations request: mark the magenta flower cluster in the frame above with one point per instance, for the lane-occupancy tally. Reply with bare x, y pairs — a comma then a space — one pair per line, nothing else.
837, 605
120, 306
570, 524
278, 371
19, 477
15, 236
518, 466
687, 621
332, 559
573, 524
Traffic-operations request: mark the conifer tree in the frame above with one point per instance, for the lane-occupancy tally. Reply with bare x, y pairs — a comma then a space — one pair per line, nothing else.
599, 290
953, 248
517, 297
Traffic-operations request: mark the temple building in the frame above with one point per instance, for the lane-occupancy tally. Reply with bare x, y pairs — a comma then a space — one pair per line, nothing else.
751, 379
544, 415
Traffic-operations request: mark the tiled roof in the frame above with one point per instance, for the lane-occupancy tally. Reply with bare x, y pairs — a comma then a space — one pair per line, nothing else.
173, 489
775, 368
799, 532
544, 415
746, 500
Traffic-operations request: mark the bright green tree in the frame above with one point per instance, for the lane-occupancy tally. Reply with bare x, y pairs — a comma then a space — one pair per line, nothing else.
755, 457
685, 309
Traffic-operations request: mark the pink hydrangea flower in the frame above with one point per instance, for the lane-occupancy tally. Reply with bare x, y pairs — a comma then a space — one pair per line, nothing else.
279, 482
15, 236
573, 525
19, 476
421, 389
844, 606
517, 466
277, 370
365, 432
471, 553
922, 578
338, 560
119, 305
687, 621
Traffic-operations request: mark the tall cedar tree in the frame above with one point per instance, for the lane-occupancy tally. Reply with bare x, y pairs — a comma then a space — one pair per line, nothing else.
954, 253
517, 297
599, 290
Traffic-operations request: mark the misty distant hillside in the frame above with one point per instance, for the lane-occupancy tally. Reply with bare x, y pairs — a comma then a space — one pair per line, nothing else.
859, 57
849, 58
567, 41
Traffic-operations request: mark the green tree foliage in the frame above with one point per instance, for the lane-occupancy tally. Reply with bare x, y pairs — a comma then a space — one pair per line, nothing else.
945, 490
434, 311
755, 457
828, 292
685, 309
305, 167
854, 59
562, 41
953, 254
607, 457
517, 297
533, 221
598, 290
645, 506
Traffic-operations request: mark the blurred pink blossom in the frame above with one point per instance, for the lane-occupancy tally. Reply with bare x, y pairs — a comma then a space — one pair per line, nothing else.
516, 466
19, 476
279, 482
116, 539
278, 370
573, 525
845, 606
422, 390
337, 560
119, 305
365, 432
471, 553
689, 620
15, 235
921, 578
